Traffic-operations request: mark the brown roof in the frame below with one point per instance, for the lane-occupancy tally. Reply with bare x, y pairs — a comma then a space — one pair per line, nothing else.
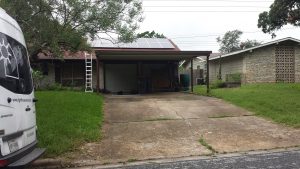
68, 55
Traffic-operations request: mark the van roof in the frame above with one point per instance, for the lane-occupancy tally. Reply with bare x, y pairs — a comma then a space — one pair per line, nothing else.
10, 27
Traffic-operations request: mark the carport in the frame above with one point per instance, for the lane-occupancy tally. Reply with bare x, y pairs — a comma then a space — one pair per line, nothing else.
142, 70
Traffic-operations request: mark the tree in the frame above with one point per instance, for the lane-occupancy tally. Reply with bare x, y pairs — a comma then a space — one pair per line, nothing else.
249, 43
56, 25
282, 12
152, 34
230, 42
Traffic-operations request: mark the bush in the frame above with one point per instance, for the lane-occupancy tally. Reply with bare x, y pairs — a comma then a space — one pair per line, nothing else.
55, 87
218, 84
59, 87
235, 77
37, 77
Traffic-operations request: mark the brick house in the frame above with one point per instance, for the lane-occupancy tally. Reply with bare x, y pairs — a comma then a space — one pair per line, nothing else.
276, 61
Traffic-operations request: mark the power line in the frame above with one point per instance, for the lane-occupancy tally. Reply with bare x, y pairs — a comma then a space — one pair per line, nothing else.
206, 11
206, 42
220, 34
213, 0
205, 6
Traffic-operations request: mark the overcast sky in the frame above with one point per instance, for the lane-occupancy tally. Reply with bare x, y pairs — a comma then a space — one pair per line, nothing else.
195, 24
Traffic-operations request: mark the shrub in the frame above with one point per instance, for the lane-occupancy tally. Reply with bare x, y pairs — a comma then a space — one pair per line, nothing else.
234, 77
218, 84
37, 77
56, 87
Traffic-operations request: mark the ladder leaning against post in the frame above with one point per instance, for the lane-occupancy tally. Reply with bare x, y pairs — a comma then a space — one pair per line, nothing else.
88, 72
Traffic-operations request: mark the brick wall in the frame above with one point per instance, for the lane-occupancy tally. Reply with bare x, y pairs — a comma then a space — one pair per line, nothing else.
259, 65
229, 65
297, 63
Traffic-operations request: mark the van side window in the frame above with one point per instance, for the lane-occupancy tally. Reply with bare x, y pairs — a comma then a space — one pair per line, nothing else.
14, 66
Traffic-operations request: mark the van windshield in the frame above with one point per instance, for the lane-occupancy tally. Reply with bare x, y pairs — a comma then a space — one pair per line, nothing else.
14, 66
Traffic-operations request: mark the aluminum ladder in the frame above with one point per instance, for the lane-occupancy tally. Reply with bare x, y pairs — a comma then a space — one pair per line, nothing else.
88, 72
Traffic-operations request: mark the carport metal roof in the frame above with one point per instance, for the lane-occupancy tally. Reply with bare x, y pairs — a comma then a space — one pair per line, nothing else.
114, 54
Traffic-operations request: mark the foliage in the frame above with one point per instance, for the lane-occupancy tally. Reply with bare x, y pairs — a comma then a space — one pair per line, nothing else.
60, 87
218, 84
53, 25
231, 42
276, 101
148, 34
249, 43
281, 12
55, 87
37, 77
67, 119
234, 77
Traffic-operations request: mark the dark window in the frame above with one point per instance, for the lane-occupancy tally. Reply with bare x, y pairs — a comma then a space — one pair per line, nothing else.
14, 66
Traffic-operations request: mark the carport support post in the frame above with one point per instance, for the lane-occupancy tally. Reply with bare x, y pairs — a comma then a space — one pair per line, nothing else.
192, 76
207, 74
98, 78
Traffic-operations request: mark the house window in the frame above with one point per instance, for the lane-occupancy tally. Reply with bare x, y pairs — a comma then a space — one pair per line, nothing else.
285, 64
73, 74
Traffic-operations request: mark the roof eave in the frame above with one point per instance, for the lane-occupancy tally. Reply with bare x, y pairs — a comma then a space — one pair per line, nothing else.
149, 55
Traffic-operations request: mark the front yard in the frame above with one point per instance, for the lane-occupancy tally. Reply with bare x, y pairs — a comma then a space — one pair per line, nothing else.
279, 102
67, 119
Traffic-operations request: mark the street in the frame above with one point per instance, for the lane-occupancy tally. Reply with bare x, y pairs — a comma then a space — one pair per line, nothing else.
275, 160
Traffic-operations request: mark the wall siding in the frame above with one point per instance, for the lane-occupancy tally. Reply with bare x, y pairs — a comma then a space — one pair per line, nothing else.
49, 79
260, 66
229, 65
297, 63
213, 70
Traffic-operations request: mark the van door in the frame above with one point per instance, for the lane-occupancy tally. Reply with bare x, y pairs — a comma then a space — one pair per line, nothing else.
17, 110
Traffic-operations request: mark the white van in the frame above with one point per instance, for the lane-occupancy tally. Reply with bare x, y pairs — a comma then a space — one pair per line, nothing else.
17, 103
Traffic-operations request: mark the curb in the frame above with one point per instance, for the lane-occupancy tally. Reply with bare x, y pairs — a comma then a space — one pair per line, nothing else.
53, 163
189, 158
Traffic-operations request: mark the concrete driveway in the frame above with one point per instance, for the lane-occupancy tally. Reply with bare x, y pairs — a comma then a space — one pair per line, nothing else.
171, 124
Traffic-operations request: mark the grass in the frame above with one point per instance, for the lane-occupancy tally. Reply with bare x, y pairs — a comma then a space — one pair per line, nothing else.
279, 102
67, 119
205, 144
160, 119
219, 117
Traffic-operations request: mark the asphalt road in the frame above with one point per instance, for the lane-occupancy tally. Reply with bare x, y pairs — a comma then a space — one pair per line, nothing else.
275, 160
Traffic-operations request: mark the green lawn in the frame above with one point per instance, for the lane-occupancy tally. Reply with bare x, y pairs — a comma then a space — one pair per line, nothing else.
67, 119
279, 102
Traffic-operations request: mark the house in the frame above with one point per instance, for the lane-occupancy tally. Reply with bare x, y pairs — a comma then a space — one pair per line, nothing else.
276, 61
146, 65
67, 71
